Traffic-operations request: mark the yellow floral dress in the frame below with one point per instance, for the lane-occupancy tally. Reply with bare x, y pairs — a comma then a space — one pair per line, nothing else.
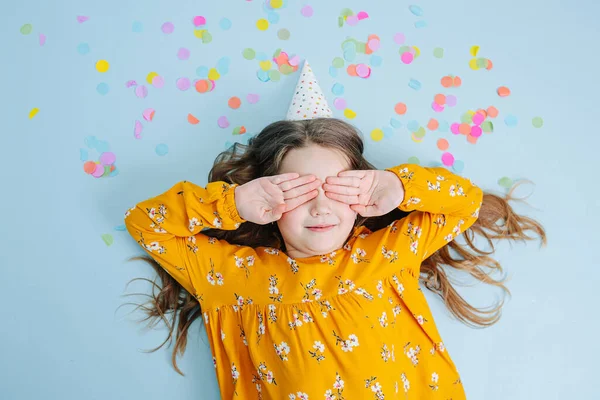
352, 324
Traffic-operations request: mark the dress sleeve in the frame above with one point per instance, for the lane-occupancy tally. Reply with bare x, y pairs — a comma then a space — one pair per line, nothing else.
168, 227
443, 206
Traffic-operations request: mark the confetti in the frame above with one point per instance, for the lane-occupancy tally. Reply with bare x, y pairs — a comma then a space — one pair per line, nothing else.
400, 108
407, 57
223, 122
433, 124
537, 122
503, 91
363, 70
307, 11
399, 38
283, 34
107, 158
102, 88
395, 123
33, 112
148, 114
167, 28
442, 144
183, 53
376, 135
107, 238
348, 113
102, 66
414, 84
339, 103
416, 10
162, 149
137, 130
192, 120
412, 125
83, 48
474, 50
225, 24
492, 112
438, 52
262, 24
420, 24
42, 39
338, 89
137, 27
234, 102
505, 182
81, 18
239, 130
141, 91
158, 81
183, 84
511, 121
199, 20
252, 98
249, 54
447, 159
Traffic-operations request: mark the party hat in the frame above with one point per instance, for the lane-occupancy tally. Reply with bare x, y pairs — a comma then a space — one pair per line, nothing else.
308, 101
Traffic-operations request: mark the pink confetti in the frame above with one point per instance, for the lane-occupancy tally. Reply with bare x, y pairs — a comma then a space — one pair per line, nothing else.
447, 159
223, 122
339, 103
131, 83
407, 57
307, 11
107, 158
252, 98
352, 20
183, 84
374, 44
141, 91
454, 128
476, 131
98, 172
294, 61
399, 38
362, 15
168, 27
158, 81
42, 39
436, 107
81, 19
363, 70
199, 20
451, 100
137, 130
148, 114
478, 118
183, 53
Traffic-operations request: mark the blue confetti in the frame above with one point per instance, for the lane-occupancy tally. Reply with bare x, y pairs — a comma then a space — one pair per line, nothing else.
376, 60
387, 132
444, 126
202, 72
83, 154
90, 141
413, 126
262, 56
415, 84
420, 24
511, 120
102, 88
338, 89
349, 45
137, 27
162, 149
458, 166
223, 65
120, 228
395, 123
416, 10
114, 173
263, 75
102, 146
225, 24
83, 48
333, 72
273, 17
349, 55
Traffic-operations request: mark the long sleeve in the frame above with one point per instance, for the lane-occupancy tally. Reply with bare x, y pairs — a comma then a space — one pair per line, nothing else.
444, 205
168, 226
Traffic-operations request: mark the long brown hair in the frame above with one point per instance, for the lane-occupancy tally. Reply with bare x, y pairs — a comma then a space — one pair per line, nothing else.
263, 156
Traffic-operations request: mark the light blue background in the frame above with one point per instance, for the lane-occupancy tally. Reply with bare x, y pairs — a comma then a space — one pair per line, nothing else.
61, 334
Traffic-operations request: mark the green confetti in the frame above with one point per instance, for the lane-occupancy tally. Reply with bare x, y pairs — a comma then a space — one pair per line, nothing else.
286, 69
274, 75
505, 182
338, 62
108, 239
537, 122
482, 62
487, 126
466, 118
340, 21
420, 133
438, 52
283, 34
403, 49
26, 29
346, 12
414, 160
206, 37
249, 54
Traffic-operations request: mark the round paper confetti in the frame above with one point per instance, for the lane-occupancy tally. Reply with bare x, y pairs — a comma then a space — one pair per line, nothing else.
108, 239
234, 102
400, 108
376, 135
102, 66
26, 29
225, 24
199, 20
352, 20
307, 11
148, 114
83, 48
338, 89
363, 70
102, 88
252, 98
202, 72
249, 54
416, 10
223, 122
162, 149
192, 120
503, 91
339, 103
183, 84
451, 100
137, 27
505, 182
150, 77
183, 53
348, 113
42, 39
33, 112
399, 38
420, 24
283, 34
412, 126
168, 27
492, 112
262, 24
107, 158
537, 122
447, 159
415, 84
395, 123
141, 91
376, 60
158, 81
511, 120
438, 52
442, 144
274, 75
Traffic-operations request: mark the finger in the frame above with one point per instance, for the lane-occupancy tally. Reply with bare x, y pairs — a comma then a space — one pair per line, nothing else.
340, 189
355, 172
296, 201
299, 181
364, 211
351, 181
276, 179
301, 190
342, 198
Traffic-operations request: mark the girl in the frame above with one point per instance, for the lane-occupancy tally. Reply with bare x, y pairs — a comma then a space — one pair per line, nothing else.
304, 261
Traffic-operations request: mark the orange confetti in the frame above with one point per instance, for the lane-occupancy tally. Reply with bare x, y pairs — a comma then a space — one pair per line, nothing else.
351, 70
235, 102
440, 99
447, 81
457, 81
443, 144
471, 139
192, 120
492, 112
400, 108
202, 86
89, 167
489, 65
433, 124
242, 129
503, 91
464, 128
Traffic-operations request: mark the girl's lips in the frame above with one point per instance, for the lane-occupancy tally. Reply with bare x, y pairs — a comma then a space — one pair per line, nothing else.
325, 229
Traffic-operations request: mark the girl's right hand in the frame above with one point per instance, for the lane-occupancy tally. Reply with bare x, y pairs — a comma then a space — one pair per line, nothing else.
264, 200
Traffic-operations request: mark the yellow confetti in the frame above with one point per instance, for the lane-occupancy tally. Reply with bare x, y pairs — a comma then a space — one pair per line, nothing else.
376, 134
417, 51
348, 113
213, 74
151, 76
473, 64
265, 65
415, 138
474, 50
276, 3
199, 32
262, 24
102, 66
33, 112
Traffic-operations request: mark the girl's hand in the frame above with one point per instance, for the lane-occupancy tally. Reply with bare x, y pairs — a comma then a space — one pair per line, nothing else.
370, 193
264, 200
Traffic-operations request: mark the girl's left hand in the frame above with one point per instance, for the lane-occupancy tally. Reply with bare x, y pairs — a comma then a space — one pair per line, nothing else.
370, 193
